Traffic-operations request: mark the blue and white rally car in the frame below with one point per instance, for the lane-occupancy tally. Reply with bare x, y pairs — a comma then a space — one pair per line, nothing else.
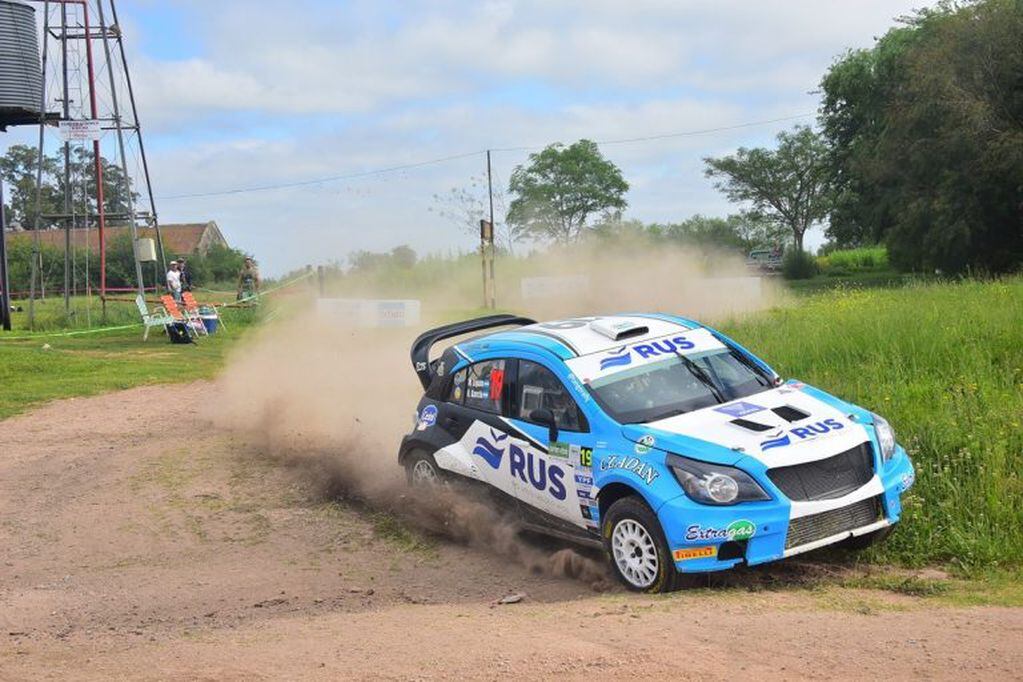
655, 436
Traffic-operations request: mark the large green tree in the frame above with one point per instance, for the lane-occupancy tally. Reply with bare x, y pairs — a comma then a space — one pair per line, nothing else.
926, 130
18, 170
788, 186
561, 189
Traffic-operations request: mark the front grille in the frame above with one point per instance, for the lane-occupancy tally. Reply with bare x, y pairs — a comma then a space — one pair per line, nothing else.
827, 478
817, 526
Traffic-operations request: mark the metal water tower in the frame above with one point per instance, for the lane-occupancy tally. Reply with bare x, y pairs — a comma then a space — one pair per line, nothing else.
21, 77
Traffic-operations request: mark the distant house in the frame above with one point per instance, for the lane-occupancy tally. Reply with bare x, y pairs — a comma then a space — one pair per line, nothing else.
180, 239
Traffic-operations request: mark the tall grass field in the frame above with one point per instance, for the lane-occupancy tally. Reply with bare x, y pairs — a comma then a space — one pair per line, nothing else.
944, 364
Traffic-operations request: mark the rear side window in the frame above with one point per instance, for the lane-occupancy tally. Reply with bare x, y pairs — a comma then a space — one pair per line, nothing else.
538, 388
484, 386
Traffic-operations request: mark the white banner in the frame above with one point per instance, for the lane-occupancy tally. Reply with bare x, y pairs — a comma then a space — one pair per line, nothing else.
71, 131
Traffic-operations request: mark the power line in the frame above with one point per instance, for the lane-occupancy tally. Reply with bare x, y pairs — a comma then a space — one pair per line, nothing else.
318, 181
443, 159
665, 136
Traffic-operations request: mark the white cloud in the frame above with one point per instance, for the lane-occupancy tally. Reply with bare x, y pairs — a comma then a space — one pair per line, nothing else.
283, 93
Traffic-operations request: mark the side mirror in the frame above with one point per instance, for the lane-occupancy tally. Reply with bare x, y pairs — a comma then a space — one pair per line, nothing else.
545, 417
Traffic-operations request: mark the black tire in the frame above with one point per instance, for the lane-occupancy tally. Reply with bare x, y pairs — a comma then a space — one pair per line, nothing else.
632, 510
861, 542
417, 462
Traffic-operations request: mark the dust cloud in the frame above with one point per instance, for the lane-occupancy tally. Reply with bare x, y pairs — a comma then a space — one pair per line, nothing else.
335, 401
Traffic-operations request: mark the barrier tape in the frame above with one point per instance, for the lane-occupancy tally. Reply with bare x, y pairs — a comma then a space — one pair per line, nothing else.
101, 330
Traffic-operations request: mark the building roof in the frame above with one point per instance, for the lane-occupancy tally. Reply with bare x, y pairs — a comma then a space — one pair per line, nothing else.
184, 238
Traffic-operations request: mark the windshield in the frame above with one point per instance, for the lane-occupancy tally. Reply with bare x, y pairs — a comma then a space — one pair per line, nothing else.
678, 384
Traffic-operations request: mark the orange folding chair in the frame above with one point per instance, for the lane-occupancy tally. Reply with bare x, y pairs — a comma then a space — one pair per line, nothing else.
192, 308
194, 324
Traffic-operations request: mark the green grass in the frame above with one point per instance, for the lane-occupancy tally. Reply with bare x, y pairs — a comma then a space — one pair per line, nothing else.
855, 260
44, 367
944, 363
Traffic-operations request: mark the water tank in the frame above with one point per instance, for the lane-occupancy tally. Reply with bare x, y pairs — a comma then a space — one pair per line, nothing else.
21, 79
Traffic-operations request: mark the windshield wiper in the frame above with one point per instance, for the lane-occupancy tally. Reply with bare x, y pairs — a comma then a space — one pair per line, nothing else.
752, 366
675, 411
701, 376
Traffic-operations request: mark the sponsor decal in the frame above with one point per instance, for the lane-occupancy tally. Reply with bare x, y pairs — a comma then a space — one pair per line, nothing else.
616, 358
695, 553
742, 529
420, 366
591, 512
586, 457
491, 452
739, 409
777, 442
583, 480
440, 368
583, 493
457, 393
907, 481
532, 469
633, 464
644, 444
559, 450
496, 383
780, 439
427, 418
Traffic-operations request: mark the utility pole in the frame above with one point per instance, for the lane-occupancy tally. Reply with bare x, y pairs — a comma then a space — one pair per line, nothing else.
5, 294
489, 283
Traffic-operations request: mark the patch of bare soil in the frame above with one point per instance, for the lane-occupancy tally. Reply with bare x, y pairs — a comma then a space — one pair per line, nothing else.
140, 541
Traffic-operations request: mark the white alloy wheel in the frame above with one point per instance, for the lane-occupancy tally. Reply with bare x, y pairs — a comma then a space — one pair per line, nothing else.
424, 474
635, 553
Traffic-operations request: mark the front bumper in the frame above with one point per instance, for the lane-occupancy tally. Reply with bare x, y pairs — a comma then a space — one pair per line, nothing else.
707, 538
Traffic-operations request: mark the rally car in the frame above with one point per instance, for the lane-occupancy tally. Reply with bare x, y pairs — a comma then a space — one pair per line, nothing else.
656, 437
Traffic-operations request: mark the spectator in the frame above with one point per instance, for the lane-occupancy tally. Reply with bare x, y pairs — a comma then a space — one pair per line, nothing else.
186, 275
174, 281
248, 280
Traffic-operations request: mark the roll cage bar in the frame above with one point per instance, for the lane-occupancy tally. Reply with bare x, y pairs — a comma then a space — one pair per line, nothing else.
424, 342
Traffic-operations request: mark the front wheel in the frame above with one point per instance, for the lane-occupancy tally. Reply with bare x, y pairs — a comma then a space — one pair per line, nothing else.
636, 547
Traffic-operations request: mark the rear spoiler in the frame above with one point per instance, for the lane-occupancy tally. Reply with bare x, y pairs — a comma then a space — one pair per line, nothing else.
424, 342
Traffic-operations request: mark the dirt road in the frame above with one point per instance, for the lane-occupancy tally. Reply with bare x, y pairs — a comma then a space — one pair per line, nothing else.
158, 547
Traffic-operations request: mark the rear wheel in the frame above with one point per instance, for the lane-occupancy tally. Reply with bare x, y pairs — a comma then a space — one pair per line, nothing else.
636, 547
422, 471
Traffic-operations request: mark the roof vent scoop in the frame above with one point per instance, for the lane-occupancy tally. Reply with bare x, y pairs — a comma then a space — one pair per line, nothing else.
617, 329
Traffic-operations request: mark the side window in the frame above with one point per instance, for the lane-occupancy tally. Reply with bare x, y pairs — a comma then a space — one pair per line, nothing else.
484, 386
457, 389
538, 388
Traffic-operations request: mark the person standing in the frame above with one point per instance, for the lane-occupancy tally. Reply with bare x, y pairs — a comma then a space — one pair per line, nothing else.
174, 281
186, 275
248, 280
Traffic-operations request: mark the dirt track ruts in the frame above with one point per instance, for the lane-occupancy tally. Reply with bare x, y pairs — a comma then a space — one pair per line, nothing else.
140, 543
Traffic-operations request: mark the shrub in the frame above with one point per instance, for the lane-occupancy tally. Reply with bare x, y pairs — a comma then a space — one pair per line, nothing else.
798, 265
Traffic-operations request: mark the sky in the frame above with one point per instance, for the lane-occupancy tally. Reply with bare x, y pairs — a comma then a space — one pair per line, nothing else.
242, 94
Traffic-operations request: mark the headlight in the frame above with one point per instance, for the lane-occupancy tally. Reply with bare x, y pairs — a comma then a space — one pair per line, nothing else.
885, 436
714, 483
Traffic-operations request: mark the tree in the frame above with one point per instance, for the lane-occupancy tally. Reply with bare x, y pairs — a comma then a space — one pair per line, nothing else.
561, 188
789, 186
742, 232
466, 206
929, 153
18, 169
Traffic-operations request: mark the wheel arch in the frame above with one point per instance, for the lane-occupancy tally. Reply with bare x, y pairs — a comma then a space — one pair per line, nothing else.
612, 492
412, 445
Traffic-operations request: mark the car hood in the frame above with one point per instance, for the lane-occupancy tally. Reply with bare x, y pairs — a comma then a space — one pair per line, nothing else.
783, 426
